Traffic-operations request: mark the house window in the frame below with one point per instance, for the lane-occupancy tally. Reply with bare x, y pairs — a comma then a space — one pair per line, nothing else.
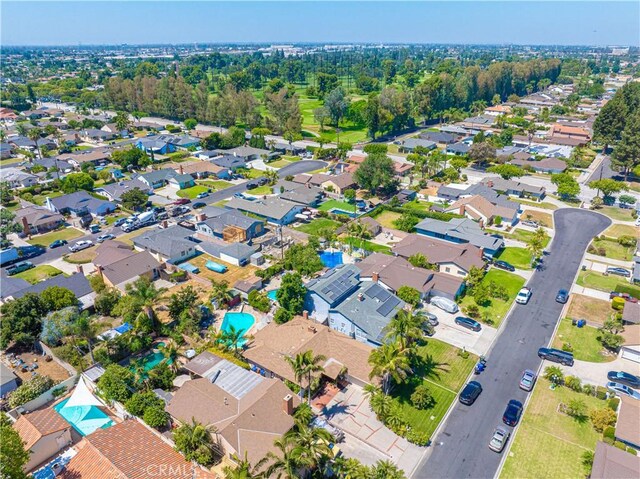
182, 253
447, 269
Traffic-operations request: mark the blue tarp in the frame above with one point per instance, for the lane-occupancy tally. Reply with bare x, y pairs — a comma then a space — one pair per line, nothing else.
217, 267
189, 267
123, 328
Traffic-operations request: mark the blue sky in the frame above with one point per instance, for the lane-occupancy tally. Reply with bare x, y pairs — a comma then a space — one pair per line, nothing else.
520, 22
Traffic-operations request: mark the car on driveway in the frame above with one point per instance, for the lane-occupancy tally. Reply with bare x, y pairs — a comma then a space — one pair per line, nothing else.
468, 323
527, 380
622, 390
531, 224
562, 296
119, 222
499, 439
80, 245
618, 271
57, 243
504, 265
513, 412
624, 378
252, 185
445, 304
182, 201
103, 238
470, 393
523, 296
432, 319
625, 296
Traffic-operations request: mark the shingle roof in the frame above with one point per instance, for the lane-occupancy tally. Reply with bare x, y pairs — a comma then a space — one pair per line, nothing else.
269, 207
336, 284
78, 200
169, 242
77, 283
130, 267
463, 229
116, 190
610, 462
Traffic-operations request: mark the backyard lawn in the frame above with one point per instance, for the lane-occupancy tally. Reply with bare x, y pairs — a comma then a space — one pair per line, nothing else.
617, 230
341, 205
417, 205
314, 227
549, 443
592, 279
66, 233
367, 245
592, 309
518, 257
583, 341
616, 213
39, 273
612, 249
496, 309
444, 372
192, 192
386, 219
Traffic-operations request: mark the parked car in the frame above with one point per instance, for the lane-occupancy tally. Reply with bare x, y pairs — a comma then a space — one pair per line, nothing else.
445, 304
523, 296
562, 296
199, 204
499, 439
94, 229
556, 355
625, 296
58, 243
103, 238
119, 222
204, 194
624, 378
504, 265
80, 245
263, 181
618, 271
238, 195
182, 201
621, 389
19, 267
528, 380
252, 185
468, 323
532, 224
513, 412
470, 393
432, 319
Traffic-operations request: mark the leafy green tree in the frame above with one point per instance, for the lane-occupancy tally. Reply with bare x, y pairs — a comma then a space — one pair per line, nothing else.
602, 418
407, 222
140, 401
303, 259
507, 171
409, 295
220, 293
610, 122
134, 199
419, 260
162, 377
13, 456
422, 398
156, 416
376, 171
291, 293
608, 186
190, 123
22, 320
181, 301
107, 300
117, 383
29, 390
336, 105
77, 181
131, 157
404, 328
567, 186
6, 195
56, 298
121, 120
626, 155
482, 153
8, 224
627, 199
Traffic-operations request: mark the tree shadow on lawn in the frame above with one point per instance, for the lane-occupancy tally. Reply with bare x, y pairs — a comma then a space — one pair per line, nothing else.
427, 367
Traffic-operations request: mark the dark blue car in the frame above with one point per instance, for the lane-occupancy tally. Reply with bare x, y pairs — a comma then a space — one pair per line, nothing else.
468, 323
513, 412
562, 296
624, 378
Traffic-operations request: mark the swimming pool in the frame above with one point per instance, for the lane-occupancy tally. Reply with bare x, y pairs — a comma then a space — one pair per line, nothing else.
331, 258
338, 211
272, 294
84, 419
240, 321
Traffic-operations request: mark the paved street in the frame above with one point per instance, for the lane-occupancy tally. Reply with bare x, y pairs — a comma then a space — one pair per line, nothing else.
460, 449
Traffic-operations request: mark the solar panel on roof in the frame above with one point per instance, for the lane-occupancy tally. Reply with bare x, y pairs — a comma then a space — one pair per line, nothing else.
388, 306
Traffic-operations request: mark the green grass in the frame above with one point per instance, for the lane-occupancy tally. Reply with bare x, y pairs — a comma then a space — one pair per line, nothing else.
549, 443
342, 205
518, 235
367, 245
281, 163
260, 190
252, 173
444, 373
518, 257
583, 340
542, 204
616, 213
417, 205
215, 184
613, 249
496, 309
595, 280
314, 227
113, 218
617, 230
39, 273
66, 233
386, 218
11, 161
192, 192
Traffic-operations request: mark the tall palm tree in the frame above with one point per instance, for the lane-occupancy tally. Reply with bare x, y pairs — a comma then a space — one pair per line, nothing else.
34, 135
287, 462
22, 129
170, 352
311, 445
244, 469
303, 415
139, 372
86, 329
196, 442
379, 402
272, 176
232, 337
304, 365
359, 230
405, 327
147, 293
220, 293
387, 470
389, 363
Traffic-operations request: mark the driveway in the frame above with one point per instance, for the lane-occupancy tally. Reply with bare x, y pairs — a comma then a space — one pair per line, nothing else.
463, 338
596, 373
461, 444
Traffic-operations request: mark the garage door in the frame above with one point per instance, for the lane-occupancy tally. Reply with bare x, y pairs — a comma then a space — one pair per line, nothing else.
631, 354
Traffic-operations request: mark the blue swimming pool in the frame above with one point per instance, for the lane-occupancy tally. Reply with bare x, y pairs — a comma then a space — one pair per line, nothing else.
240, 321
84, 419
272, 294
331, 258
338, 211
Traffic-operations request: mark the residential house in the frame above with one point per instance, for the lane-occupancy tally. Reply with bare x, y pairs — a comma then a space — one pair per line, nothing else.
34, 114
345, 358
631, 315
559, 130
77, 283
610, 462
394, 272
123, 271
340, 183
114, 130
248, 153
94, 135
459, 149
184, 142
229, 162
79, 204
402, 168
627, 430
22, 142
439, 137
238, 254
358, 309
410, 144
460, 231
202, 169
298, 193
497, 110
6, 151
635, 275
111, 251
479, 122
171, 245
114, 191
44, 434
7, 114
97, 156
129, 450
271, 209
404, 196
249, 411
514, 188
245, 286
372, 225
37, 219
157, 178
546, 165
71, 138
8, 379
17, 178
229, 225
51, 163
156, 145
481, 209
181, 181
507, 152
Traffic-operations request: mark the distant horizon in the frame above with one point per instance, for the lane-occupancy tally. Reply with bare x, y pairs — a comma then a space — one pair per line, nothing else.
518, 23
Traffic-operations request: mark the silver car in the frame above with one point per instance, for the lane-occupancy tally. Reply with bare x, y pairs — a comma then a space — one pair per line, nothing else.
499, 439
528, 380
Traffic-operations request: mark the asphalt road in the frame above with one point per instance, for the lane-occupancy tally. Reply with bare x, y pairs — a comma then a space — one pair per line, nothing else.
461, 449
603, 171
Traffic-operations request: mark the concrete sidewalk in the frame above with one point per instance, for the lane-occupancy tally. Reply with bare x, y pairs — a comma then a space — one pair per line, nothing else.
600, 263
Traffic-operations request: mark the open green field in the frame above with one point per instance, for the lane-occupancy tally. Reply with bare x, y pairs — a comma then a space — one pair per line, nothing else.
549, 443
67, 233
595, 280
496, 309
314, 227
518, 257
583, 341
39, 273
613, 249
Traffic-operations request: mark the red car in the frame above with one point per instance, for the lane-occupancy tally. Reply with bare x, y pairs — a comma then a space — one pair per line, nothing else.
182, 201
625, 296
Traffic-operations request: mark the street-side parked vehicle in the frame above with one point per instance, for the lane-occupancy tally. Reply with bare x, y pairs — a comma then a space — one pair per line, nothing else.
523, 296
499, 439
445, 304
622, 390
119, 222
504, 265
624, 378
562, 296
204, 194
103, 238
468, 323
199, 205
556, 355
618, 271
182, 201
57, 243
512, 413
80, 245
528, 380
19, 267
470, 393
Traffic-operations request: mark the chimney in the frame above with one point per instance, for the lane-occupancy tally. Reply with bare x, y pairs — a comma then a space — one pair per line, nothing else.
165, 224
305, 314
181, 170
101, 271
375, 277
490, 183
481, 252
79, 269
25, 226
287, 404
360, 297
201, 217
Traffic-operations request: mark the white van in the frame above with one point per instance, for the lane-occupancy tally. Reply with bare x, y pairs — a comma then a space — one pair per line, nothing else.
445, 304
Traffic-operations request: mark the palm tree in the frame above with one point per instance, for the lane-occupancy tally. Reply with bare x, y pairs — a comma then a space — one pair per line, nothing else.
287, 463
220, 293
84, 328
379, 402
387, 470
196, 442
22, 129
139, 372
34, 135
311, 445
244, 469
147, 293
405, 327
359, 230
304, 365
170, 352
232, 336
389, 363
303, 415
272, 176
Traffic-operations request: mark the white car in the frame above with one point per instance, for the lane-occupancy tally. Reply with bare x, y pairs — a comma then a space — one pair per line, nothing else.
622, 390
80, 245
445, 304
523, 296
499, 439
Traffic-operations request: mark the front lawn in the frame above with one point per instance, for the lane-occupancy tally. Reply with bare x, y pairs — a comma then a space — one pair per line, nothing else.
616, 213
281, 163
595, 280
542, 204
518, 234
550, 443
612, 249
66, 233
583, 341
617, 230
592, 309
496, 309
260, 191
518, 257
192, 192
39, 273
341, 205
83, 257
215, 184
314, 227
544, 219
